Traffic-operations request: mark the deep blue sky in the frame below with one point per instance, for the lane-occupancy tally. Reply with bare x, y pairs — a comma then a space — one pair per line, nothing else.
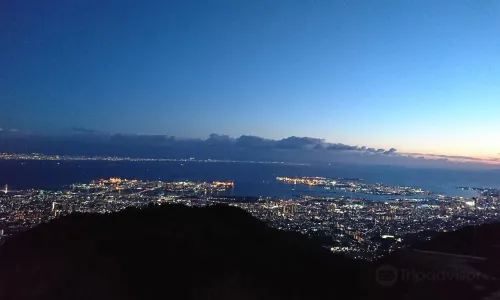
420, 76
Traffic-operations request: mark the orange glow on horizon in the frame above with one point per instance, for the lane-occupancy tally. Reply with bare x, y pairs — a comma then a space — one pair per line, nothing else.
488, 160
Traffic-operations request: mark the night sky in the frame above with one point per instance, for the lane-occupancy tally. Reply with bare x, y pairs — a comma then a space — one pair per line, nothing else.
420, 76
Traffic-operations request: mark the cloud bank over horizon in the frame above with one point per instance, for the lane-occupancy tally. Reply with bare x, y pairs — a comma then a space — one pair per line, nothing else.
84, 141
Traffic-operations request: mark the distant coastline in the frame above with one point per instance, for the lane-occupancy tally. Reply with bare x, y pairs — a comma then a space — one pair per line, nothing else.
45, 157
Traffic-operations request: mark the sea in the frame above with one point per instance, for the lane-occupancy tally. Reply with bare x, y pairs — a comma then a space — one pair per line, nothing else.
251, 179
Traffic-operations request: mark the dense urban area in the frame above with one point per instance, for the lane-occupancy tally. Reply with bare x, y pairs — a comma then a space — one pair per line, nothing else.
358, 227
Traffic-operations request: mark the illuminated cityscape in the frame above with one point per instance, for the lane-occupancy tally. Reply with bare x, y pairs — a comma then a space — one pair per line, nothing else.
354, 186
355, 226
45, 157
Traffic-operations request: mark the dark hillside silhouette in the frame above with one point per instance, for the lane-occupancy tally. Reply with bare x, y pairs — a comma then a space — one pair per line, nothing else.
169, 252
216, 252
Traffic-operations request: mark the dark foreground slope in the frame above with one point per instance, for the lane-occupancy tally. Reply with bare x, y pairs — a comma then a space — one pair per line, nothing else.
464, 264
171, 252
222, 252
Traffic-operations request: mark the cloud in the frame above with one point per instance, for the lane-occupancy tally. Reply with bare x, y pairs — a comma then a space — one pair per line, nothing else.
390, 151
301, 147
312, 146
83, 130
338, 146
294, 142
219, 137
220, 146
437, 156
9, 132
456, 158
152, 139
250, 141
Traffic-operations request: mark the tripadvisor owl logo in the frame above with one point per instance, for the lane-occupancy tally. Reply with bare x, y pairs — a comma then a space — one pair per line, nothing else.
386, 275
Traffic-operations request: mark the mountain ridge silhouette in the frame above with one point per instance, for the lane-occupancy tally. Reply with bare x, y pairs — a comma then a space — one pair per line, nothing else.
180, 252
